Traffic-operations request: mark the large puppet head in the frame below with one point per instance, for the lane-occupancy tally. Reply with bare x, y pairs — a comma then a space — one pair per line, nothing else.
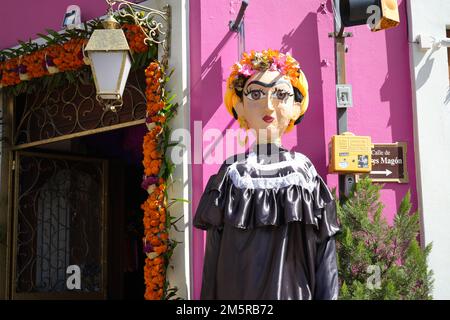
267, 92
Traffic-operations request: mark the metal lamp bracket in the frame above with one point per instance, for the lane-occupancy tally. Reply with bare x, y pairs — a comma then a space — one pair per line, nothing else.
154, 23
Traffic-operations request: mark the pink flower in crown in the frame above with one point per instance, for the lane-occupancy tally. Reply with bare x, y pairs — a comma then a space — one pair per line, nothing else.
246, 70
280, 63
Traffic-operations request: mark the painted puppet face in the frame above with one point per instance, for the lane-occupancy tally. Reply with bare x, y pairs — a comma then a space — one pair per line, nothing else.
268, 105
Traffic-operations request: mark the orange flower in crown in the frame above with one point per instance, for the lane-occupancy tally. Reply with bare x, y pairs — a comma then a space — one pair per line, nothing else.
272, 60
261, 61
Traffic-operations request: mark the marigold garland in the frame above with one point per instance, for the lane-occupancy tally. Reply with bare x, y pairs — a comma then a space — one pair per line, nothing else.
135, 37
9, 72
156, 223
69, 56
32, 66
54, 58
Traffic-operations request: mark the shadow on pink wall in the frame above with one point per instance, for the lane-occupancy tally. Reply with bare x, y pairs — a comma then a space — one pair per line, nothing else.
397, 92
204, 77
207, 97
303, 42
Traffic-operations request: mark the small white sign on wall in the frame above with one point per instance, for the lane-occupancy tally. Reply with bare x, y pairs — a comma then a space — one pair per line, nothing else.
72, 17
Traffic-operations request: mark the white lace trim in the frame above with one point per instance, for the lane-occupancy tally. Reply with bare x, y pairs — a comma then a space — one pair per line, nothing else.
295, 178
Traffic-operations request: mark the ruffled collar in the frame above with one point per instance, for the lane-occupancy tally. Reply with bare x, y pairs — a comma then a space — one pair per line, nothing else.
267, 148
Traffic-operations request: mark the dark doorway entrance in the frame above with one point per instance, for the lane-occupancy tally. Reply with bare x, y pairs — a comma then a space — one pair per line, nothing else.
122, 261
123, 149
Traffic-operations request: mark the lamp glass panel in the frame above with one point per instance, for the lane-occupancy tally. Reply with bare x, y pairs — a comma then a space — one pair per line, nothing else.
126, 71
107, 67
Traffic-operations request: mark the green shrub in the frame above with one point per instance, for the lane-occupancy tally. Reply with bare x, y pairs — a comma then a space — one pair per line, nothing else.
376, 260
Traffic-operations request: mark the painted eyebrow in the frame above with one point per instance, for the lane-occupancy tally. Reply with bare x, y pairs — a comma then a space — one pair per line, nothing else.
269, 85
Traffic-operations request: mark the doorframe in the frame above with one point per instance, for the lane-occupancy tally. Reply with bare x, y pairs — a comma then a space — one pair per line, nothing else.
6, 178
182, 275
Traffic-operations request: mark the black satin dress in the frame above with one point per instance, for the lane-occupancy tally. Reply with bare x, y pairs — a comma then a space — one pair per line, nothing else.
270, 222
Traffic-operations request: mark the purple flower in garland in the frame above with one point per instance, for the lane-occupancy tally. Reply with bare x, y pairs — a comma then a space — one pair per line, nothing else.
148, 180
49, 61
22, 68
14, 70
148, 248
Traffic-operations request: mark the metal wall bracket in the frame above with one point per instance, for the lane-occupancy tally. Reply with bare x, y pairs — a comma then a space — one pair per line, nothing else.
339, 35
155, 24
427, 42
235, 25
238, 26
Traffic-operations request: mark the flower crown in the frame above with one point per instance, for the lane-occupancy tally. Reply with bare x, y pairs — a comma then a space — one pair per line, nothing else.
254, 62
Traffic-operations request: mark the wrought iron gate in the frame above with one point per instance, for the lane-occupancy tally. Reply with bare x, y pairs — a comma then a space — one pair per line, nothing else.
59, 221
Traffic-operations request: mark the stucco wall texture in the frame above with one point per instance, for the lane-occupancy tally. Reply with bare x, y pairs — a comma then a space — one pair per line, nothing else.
377, 68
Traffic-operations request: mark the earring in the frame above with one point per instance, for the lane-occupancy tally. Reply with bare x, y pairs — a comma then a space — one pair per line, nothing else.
243, 124
243, 143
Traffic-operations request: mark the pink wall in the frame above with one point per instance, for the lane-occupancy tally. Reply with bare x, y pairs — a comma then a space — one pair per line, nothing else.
22, 20
377, 67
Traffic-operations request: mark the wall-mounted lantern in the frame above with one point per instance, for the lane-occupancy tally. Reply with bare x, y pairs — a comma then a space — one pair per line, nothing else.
109, 53
110, 60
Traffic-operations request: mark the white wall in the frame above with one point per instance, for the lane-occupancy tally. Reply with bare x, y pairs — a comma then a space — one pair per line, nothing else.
180, 275
431, 99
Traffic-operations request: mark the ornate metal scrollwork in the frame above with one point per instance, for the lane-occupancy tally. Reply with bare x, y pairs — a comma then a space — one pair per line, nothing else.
59, 223
154, 23
73, 109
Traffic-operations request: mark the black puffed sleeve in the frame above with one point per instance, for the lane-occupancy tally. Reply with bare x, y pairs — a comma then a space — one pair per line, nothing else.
213, 242
209, 216
327, 286
208, 212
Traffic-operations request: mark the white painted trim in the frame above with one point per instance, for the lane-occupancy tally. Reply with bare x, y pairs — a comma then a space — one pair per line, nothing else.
431, 112
181, 275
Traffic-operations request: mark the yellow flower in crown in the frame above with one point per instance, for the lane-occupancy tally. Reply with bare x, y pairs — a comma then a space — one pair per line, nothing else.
254, 62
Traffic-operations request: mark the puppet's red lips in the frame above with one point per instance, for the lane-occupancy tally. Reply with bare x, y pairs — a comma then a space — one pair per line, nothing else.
268, 119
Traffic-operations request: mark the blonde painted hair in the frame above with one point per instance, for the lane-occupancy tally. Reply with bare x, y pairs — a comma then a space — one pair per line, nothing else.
254, 62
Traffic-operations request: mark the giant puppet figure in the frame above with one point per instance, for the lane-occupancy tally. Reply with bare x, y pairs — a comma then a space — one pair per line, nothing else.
270, 218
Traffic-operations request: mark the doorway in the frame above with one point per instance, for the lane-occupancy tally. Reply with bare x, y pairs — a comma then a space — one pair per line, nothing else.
82, 210
123, 149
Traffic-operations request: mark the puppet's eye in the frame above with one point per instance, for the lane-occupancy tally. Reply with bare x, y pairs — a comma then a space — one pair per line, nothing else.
255, 94
281, 94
